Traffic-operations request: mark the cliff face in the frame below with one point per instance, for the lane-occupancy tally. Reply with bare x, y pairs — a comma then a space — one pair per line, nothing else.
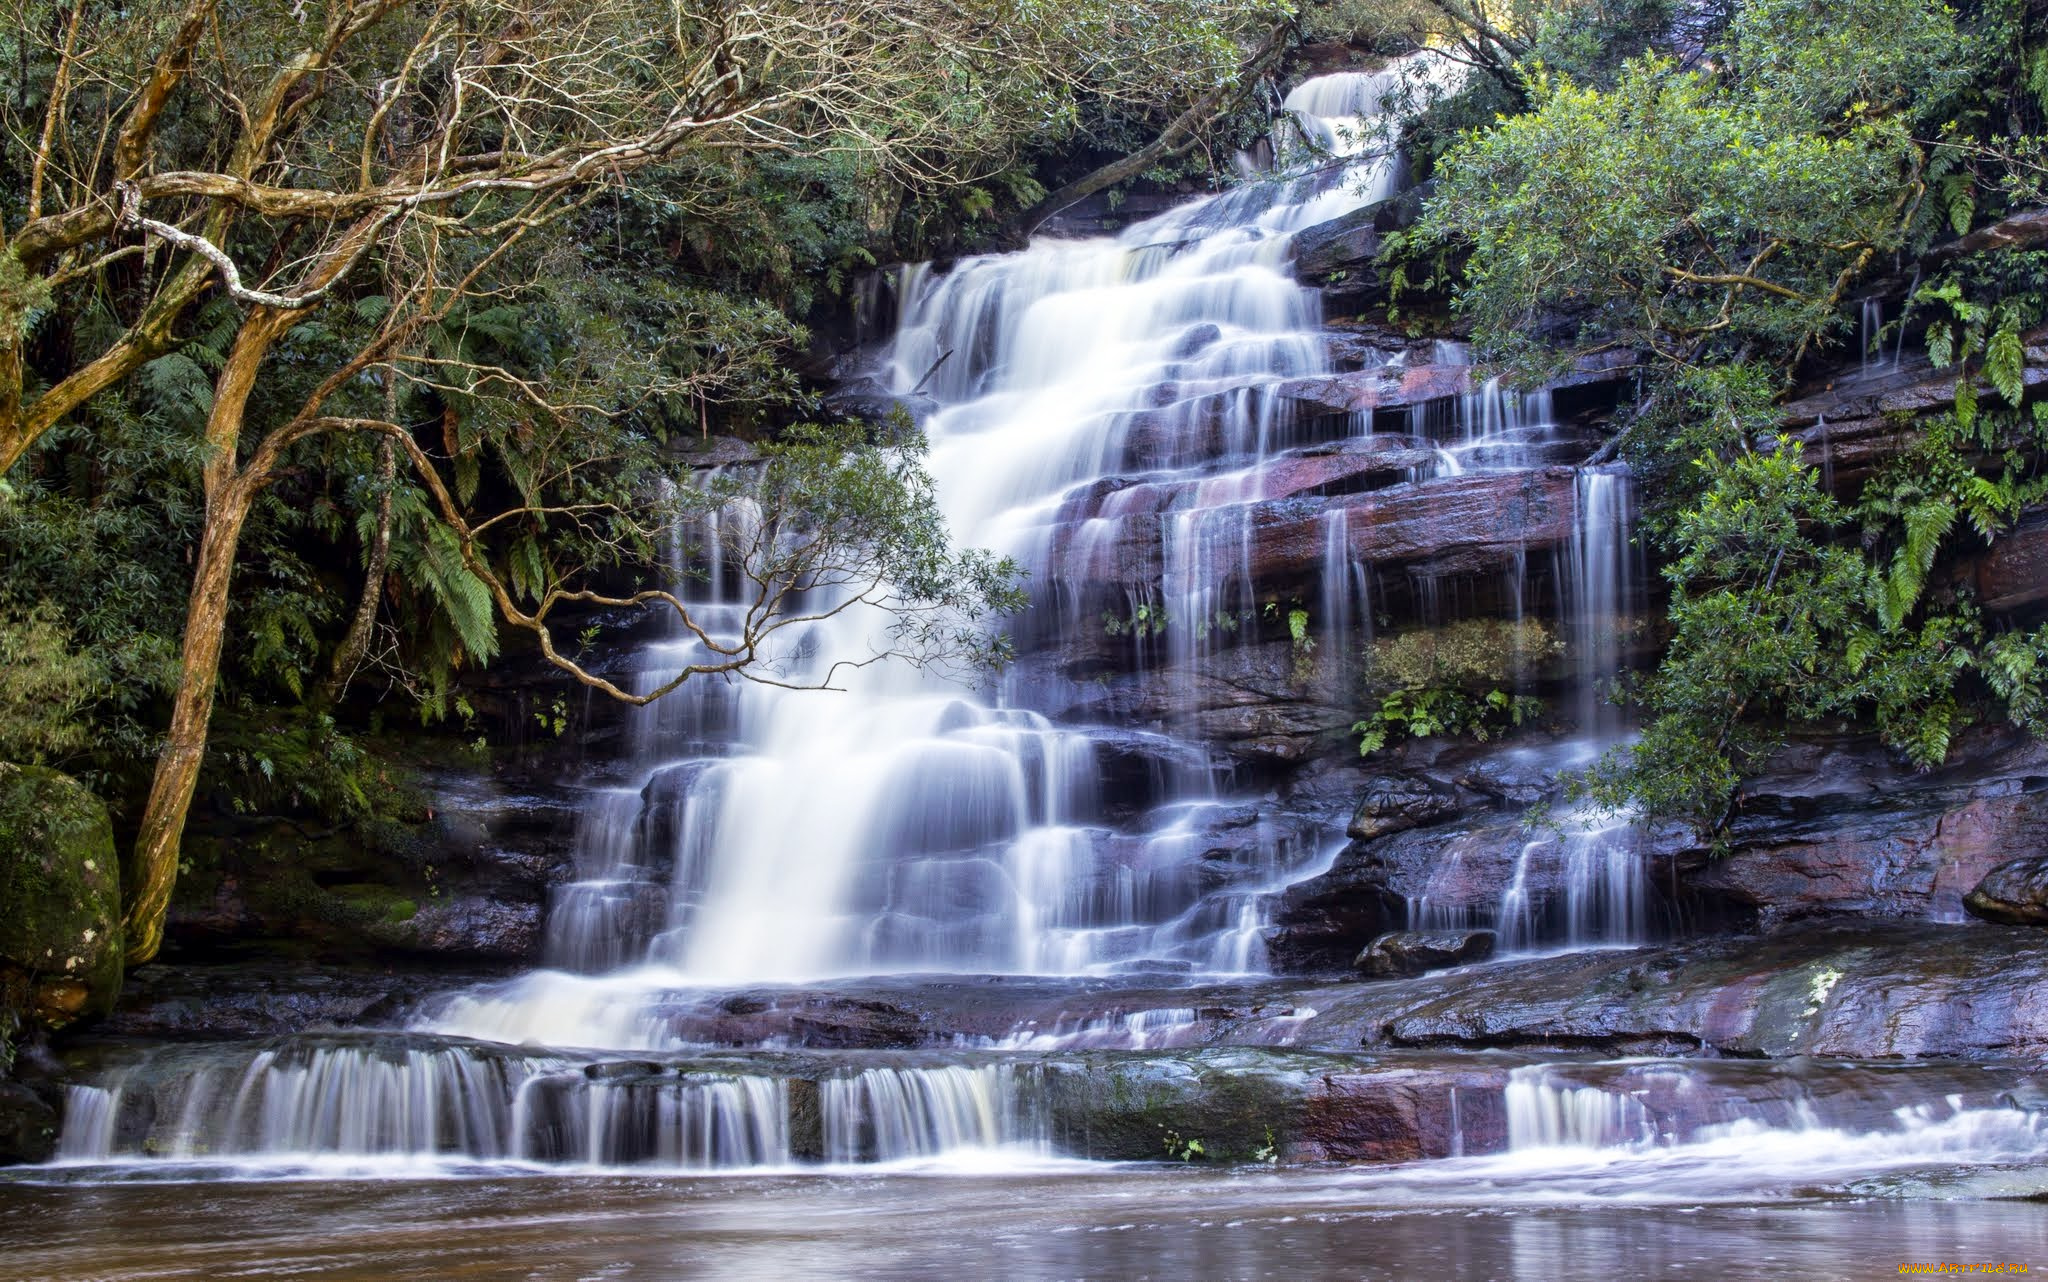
1442, 496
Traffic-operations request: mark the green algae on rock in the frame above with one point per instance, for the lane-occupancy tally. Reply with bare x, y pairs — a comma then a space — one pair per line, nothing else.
60, 884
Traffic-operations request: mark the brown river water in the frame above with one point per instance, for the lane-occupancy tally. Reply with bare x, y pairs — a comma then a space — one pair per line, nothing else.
1476, 1219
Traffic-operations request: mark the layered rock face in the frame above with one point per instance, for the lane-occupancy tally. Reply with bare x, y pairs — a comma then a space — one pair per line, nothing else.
1832, 831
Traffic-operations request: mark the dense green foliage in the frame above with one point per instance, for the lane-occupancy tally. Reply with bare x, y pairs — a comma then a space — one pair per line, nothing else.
1459, 679
1718, 216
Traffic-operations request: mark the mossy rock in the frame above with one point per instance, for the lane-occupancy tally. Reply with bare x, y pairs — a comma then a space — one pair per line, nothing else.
369, 904
60, 898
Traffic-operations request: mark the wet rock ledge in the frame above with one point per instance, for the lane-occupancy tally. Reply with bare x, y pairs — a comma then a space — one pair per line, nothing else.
1891, 991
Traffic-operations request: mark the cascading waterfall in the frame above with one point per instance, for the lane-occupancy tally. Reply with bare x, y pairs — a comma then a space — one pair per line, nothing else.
1104, 411
889, 1114
351, 1099
941, 831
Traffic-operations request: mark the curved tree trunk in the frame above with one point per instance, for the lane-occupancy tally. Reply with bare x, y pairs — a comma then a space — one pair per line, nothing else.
229, 492
155, 865
1173, 141
349, 655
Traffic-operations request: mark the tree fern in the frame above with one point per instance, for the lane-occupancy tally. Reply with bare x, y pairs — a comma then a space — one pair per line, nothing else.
460, 594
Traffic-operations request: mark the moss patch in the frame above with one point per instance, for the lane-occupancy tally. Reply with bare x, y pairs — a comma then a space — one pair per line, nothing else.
60, 898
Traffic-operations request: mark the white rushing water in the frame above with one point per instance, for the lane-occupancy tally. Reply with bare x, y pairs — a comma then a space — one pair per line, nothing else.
466, 1103
1104, 411
337, 1102
907, 824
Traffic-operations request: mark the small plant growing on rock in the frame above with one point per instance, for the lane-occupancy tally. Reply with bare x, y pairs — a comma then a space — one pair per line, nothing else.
1146, 620
1269, 1152
1450, 681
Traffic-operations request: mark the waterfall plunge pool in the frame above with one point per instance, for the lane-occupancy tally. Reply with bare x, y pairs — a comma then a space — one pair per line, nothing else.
1569, 1216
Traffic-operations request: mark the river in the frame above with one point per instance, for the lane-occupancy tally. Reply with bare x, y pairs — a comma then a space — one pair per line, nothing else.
1472, 1220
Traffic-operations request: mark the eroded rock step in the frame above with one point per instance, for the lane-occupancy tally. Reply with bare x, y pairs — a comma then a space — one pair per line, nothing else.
1901, 990
316, 1096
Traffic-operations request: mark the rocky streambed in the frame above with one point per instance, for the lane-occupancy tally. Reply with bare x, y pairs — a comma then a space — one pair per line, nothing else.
1852, 1029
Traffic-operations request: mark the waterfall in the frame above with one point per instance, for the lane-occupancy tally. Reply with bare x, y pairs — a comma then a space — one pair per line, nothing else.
399, 1099
1582, 885
889, 1114
421, 1099
1600, 593
91, 1114
612, 911
685, 1124
1658, 1111
1093, 397
1543, 1113
1582, 888
1105, 411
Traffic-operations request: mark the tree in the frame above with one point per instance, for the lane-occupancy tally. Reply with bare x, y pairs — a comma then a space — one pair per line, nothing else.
1665, 215
348, 191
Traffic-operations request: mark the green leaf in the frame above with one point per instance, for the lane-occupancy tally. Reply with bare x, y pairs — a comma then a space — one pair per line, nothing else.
461, 595
1961, 202
1941, 345
2005, 364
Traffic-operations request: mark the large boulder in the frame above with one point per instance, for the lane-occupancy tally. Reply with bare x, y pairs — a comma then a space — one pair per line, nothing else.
1341, 255
2015, 893
1412, 952
28, 1126
60, 898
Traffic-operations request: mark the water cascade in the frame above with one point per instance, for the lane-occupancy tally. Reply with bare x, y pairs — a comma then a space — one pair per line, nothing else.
1154, 425
889, 1114
351, 1098
946, 831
